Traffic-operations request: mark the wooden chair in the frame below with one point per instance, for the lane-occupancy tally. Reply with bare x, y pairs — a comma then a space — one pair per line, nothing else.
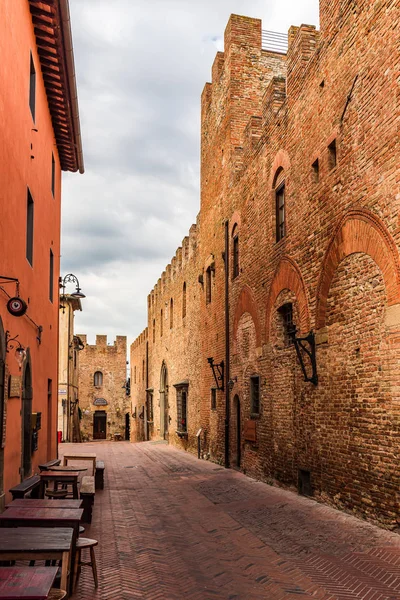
82, 544
56, 594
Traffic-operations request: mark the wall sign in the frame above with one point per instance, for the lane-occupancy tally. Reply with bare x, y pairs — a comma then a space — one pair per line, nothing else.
14, 386
100, 402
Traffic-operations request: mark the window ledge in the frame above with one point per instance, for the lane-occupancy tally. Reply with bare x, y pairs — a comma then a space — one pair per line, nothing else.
182, 434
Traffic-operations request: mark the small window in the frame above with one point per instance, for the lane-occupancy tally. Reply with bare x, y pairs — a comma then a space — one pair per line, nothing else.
315, 171
213, 398
32, 89
29, 229
161, 324
184, 301
154, 331
255, 395
149, 406
51, 276
53, 174
332, 155
280, 212
98, 379
208, 285
235, 270
171, 314
286, 312
181, 401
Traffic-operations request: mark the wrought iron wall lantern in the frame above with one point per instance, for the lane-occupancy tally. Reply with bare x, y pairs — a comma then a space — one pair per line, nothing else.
13, 343
232, 382
218, 370
70, 278
305, 346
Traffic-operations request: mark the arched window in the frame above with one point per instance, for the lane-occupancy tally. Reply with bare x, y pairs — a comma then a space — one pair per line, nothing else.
184, 301
161, 324
235, 252
171, 314
98, 379
280, 209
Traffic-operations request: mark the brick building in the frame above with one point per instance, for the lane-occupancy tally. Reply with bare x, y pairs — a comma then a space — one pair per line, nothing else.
298, 227
103, 402
39, 138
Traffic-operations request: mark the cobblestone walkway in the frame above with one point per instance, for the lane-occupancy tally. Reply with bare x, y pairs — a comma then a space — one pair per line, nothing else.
171, 527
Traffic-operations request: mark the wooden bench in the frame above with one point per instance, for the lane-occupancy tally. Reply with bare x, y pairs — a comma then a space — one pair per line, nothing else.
52, 463
99, 476
87, 496
31, 484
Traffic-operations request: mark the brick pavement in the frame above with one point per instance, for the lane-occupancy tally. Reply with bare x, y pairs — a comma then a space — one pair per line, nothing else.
171, 527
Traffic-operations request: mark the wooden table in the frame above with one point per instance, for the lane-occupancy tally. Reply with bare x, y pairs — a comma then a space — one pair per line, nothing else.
90, 457
26, 583
67, 469
45, 517
45, 503
38, 543
59, 477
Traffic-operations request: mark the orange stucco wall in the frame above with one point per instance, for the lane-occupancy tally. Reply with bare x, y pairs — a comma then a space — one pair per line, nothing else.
26, 160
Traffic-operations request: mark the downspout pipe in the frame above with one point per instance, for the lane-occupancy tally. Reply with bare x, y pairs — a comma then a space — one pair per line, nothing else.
227, 347
73, 94
146, 425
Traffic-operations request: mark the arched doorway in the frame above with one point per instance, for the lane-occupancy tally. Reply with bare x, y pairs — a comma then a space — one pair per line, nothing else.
236, 408
26, 437
2, 405
164, 413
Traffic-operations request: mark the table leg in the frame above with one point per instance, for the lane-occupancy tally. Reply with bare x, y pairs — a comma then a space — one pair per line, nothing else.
66, 566
75, 490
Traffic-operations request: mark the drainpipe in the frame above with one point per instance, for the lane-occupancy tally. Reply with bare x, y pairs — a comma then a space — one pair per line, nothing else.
227, 346
146, 425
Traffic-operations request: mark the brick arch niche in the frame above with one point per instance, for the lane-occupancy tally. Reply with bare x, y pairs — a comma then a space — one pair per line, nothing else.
359, 232
247, 304
288, 276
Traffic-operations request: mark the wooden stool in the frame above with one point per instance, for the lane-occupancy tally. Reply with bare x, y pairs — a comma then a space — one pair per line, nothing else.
81, 544
81, 529
56, 493
56, 594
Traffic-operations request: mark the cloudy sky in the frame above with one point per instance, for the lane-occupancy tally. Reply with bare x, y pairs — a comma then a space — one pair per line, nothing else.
141, 67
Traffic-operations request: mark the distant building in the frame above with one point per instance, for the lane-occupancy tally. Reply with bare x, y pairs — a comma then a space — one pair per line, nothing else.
39, 137
70, 346
103, 400
297, 237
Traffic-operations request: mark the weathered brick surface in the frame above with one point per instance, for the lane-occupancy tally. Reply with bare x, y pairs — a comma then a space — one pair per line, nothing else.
268, 118
110, 360
171, 527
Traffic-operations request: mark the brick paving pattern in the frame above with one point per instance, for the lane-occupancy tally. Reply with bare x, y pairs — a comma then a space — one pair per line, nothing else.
171, 527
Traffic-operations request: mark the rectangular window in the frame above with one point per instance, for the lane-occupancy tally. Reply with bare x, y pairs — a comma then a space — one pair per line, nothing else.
280, 212
286, 312
213, 398
208, 285
161, 324
51, 278
255, 395
29, 229
315, 171
332, 155
32, 89
181, 397
235, 256
53, 174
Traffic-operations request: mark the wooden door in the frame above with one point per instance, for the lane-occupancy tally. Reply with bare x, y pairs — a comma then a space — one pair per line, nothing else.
100, 425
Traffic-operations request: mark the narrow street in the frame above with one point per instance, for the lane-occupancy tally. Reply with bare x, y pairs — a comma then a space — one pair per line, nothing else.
171, 527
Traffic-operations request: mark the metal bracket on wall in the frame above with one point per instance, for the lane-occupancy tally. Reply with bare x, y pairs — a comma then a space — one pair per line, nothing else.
218, 370
309, 351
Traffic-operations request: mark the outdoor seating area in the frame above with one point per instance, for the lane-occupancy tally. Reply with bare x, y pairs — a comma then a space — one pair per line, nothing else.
41, 551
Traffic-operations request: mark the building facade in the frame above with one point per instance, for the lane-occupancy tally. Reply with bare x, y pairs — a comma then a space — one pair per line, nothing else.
69, 348
39, 137
295, 256
103, 401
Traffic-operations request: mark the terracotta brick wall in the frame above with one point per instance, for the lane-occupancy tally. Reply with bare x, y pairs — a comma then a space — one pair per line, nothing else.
269, 118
